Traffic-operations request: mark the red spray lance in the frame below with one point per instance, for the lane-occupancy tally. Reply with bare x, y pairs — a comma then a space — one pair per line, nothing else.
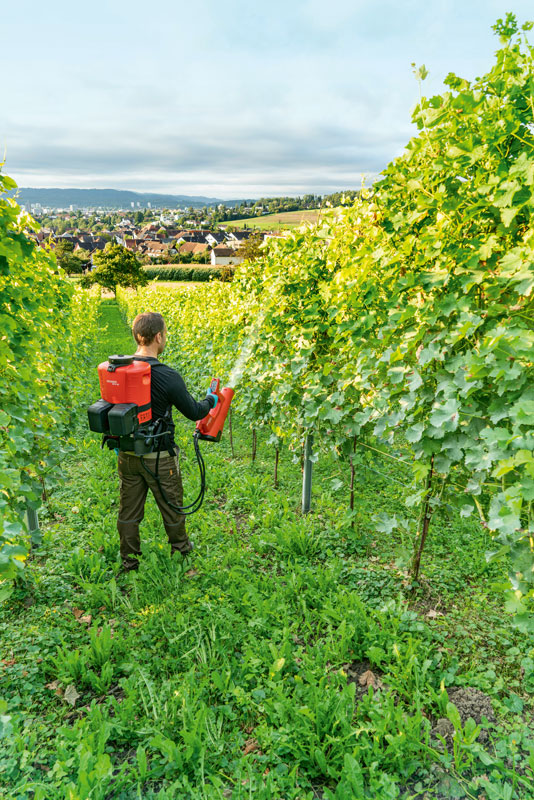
124, 416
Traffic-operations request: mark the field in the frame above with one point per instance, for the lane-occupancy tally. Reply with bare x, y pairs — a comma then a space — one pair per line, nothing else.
286, 220
286, 658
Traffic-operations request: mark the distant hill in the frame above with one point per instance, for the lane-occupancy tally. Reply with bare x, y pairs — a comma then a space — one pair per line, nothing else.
111, 198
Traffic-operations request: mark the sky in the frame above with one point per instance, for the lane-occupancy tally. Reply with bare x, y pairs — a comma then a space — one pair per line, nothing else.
226, 98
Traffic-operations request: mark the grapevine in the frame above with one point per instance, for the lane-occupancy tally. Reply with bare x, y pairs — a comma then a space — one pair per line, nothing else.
405, 316
46, 327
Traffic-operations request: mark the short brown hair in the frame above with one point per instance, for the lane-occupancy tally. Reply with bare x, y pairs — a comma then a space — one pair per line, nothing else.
146, 326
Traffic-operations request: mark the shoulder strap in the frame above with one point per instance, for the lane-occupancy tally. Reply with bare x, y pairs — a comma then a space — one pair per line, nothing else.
145, 359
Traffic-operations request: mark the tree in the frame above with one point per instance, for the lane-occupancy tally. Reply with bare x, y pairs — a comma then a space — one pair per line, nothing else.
76, 263
250, 249
63, 247
116, 266
72, 263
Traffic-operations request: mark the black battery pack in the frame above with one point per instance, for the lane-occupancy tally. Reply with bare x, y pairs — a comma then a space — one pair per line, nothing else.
123, 419
98, 416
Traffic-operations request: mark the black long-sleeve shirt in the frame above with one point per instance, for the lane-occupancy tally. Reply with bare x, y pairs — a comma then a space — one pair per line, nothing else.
168, 389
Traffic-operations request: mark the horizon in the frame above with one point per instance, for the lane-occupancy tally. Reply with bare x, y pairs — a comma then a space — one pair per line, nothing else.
170, 194
228, 102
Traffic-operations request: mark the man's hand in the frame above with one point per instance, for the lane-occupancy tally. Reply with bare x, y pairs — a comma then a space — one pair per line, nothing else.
212, 398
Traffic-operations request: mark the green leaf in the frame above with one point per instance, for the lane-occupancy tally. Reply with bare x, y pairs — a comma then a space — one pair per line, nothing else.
321, 761
420, 470
385, 523
508, 215
414, 432
6, 590
420, 72
514, 603
442, 464
8, 183
524, 622
445, 416
454, 716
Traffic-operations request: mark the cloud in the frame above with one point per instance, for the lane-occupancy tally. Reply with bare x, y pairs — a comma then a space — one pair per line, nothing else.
298, 156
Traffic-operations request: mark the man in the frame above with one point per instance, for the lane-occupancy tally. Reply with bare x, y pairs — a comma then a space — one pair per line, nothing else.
167, 389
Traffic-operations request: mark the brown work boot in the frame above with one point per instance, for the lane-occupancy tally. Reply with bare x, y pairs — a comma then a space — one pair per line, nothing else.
129, 565
183, 550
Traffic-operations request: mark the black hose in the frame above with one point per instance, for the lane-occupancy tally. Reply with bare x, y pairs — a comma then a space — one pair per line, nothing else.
197, 502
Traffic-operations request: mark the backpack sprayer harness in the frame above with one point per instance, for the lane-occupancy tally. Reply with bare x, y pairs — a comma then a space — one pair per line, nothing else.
124, 416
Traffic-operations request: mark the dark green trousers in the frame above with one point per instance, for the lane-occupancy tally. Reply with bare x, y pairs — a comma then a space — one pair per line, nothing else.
134, 482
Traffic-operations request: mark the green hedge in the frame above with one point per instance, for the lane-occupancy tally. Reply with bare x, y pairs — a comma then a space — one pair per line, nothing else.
186, 272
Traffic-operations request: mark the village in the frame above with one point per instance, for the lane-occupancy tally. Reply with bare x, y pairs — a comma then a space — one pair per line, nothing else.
156, 244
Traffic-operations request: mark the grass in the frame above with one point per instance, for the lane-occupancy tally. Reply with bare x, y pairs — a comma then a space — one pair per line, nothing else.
285, 220
238, 672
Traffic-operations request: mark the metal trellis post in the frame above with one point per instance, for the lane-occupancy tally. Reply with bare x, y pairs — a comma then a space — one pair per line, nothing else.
307, 474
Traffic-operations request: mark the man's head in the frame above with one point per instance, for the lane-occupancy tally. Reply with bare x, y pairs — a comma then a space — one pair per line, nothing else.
149, 330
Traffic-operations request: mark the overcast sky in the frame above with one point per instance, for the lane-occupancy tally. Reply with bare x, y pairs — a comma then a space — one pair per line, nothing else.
226, 98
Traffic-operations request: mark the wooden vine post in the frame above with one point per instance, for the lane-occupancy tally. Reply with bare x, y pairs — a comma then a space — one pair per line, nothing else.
352, 474
44, 494
276, 460
424, 522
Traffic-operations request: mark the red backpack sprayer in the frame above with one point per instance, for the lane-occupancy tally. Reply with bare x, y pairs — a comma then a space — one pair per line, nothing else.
124, 416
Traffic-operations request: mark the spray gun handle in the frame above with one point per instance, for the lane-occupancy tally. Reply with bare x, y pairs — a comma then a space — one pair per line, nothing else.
213, 391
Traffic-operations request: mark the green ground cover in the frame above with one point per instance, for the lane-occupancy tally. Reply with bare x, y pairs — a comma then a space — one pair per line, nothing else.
288, 658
